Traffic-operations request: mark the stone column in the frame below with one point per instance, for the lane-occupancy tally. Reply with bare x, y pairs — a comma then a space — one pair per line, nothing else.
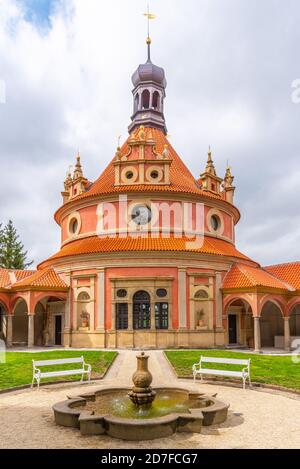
152, 311
101, 299
9, 330
287, 336
30, 330
130, 316
182, 298
257, 342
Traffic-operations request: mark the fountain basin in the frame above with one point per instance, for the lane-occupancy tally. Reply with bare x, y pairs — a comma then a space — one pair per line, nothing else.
110, 411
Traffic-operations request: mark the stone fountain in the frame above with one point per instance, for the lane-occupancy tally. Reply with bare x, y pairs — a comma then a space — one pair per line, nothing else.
140, 413
142, 394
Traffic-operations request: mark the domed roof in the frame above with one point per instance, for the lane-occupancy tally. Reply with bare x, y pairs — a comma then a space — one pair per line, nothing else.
149, 72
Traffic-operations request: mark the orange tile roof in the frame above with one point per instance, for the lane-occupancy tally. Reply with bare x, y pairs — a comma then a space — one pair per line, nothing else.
47, 278
95, 244
244, 276
5, 277
289, 272
181, 178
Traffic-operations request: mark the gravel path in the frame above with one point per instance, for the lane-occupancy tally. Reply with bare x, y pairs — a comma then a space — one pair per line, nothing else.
257, 419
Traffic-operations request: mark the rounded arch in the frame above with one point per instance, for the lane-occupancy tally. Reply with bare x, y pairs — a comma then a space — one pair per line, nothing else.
275, 300
5, 303
43, 319
45, 297
137, 290
271, 322
291, 305
136, 102
15, 302
237, 301
20, 322
295, 320
156, 101
201, 294
141, 295
146, 99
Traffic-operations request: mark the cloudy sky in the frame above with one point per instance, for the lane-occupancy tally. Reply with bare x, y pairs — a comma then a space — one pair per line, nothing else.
230, 65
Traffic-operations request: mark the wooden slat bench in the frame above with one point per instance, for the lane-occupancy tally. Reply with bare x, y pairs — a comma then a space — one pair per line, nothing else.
244, 374
86, 369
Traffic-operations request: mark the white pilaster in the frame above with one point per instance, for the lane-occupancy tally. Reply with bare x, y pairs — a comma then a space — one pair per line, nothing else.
219, 301
182, 298
101, 300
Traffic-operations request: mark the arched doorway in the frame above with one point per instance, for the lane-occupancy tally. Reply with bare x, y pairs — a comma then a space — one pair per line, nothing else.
271, 324
49, 321
295, 321
141, 310
240, 323
20, 324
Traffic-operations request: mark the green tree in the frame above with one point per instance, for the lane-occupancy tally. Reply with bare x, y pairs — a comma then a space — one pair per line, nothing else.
12, 253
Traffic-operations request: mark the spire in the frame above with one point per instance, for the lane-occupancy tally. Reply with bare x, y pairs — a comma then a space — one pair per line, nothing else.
210, 168
209, 179
149, 91
228, 188
78, 168
149, 17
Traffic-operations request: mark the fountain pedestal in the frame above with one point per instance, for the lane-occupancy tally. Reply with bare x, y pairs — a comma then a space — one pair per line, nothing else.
142, 394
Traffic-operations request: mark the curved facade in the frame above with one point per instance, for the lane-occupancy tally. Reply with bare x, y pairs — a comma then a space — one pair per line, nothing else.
148, 256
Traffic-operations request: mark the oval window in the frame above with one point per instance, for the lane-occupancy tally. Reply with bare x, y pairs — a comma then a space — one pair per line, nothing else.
129, 175
121, 293
215, 222
161, 292
74, 226
154, 174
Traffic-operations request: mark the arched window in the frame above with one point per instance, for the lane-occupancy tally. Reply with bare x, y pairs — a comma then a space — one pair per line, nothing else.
201, 294
83, 296
146, 99
136, 102
156, 100
141, 310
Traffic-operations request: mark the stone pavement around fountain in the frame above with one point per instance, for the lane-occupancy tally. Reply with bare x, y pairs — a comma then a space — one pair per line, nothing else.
257, 419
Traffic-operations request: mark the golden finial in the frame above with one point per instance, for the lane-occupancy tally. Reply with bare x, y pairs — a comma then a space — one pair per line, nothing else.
149, 17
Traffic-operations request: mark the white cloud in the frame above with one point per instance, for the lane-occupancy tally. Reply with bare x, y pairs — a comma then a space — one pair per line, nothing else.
229, 67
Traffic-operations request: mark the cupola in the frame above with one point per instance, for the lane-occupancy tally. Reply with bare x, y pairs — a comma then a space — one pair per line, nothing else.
149, 92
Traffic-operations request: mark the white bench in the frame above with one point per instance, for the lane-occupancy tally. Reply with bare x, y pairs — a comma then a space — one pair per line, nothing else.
86, 369
244, 374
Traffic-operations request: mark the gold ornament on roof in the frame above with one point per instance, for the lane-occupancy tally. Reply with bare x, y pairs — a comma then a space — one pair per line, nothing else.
141, 133
165, 152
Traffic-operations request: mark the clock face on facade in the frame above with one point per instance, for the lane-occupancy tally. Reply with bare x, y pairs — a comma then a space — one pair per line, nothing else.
141, 215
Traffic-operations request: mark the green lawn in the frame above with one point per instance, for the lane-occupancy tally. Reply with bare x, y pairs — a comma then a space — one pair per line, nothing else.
17, 370
264, 369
